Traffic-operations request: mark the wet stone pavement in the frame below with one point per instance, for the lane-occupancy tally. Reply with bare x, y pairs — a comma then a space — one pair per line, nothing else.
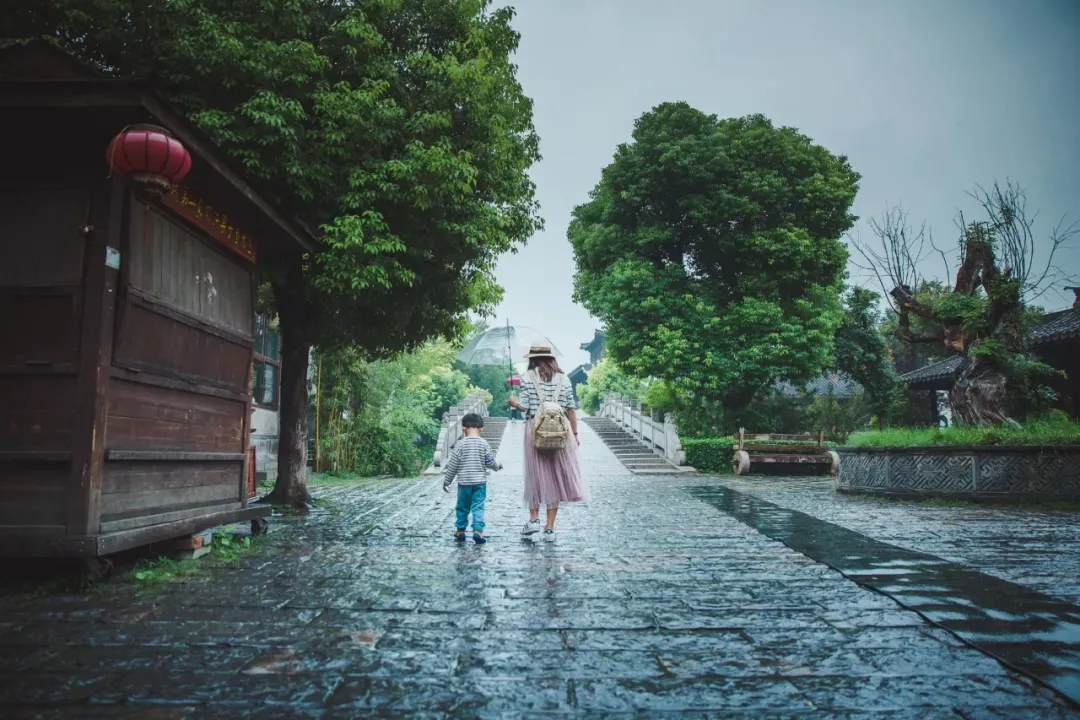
654, 602
1039, 549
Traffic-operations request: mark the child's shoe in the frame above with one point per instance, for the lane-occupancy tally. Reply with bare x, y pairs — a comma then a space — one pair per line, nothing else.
478, 538
459, 536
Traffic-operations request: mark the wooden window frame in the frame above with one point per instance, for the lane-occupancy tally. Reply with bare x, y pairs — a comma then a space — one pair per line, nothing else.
257, 357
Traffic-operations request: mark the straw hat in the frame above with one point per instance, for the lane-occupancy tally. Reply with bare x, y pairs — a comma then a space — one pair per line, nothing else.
536, 351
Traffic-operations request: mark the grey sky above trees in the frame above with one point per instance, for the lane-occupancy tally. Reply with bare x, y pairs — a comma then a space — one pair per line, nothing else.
926, 98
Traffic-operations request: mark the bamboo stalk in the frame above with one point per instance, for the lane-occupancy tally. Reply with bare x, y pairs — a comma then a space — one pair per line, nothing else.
318, 407
337, 403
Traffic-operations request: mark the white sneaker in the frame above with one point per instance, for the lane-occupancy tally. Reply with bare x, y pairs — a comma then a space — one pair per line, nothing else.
531, 528
549, 536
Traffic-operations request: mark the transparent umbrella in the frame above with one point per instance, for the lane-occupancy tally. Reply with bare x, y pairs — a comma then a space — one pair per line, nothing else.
503, 346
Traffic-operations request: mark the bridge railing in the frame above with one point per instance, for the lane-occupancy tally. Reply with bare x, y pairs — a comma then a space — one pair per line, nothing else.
659, 435
450, 429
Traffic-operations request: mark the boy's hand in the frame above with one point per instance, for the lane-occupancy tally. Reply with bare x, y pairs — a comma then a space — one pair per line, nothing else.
498, 466
446, 486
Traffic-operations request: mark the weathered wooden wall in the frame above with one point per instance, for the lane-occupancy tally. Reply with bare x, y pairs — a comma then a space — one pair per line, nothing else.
41, 274
178, 396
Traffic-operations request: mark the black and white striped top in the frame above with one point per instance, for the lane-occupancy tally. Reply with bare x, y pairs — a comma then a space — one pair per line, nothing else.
559, 389
469, 462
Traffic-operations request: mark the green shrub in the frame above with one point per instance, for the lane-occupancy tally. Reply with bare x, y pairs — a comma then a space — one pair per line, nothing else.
709, 454
839, 418
1050, 431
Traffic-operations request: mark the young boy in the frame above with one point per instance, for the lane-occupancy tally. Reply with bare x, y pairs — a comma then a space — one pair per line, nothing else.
469, 462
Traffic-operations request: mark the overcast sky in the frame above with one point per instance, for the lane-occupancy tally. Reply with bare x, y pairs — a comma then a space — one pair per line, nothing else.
925, 97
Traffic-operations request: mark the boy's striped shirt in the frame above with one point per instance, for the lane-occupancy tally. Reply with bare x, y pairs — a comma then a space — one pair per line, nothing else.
469, 462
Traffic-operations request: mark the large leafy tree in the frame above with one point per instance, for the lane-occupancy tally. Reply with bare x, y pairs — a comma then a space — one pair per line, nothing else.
395, 129
711, 251
862, 352
604, 378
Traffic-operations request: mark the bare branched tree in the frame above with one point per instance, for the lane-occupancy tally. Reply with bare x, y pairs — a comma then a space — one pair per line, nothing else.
893, 257
1008, 219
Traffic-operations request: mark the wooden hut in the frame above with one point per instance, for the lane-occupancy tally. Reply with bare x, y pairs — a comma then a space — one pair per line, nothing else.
126, 318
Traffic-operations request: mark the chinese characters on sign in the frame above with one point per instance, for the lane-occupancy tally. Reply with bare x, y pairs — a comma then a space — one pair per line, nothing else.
185, 203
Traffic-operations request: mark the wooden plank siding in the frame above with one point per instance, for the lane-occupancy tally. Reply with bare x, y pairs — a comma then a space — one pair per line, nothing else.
37, 412
139, 489
41, 274
147, 417
33, 496
197, 277
150, 341
41, 239
179, 390
40, 330
104, 234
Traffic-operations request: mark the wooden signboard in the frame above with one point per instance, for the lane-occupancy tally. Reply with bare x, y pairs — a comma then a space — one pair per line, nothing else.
185, 203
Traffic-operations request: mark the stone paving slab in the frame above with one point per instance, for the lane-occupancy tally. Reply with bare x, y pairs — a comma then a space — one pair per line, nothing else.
1037, 549
651, 603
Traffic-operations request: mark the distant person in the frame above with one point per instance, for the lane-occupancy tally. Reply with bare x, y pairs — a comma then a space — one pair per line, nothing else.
552, 473
469, 463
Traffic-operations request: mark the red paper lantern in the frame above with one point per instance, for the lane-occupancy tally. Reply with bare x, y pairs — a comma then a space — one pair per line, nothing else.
150, 156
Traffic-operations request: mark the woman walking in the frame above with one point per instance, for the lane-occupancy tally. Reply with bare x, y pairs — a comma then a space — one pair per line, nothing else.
552, 476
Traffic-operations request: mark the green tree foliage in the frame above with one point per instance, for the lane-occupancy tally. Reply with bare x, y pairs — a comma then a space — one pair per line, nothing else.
492, 379
662, 396
711, 251
863, 354
381, 417
607, 377
395, 129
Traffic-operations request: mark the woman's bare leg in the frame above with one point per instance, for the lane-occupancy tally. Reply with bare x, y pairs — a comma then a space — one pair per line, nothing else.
534, 514
552, 511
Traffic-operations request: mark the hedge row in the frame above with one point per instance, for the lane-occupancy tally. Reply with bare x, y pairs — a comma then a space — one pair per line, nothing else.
709, 454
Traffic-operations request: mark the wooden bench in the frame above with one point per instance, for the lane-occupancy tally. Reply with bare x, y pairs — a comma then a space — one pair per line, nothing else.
785, 450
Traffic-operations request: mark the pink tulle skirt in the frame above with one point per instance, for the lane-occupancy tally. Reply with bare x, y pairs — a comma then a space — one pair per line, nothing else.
552, 476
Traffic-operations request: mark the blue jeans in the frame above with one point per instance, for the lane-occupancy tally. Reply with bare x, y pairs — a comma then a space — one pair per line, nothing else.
470, 498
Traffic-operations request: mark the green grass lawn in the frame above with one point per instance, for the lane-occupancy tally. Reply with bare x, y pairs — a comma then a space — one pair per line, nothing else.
1057, 432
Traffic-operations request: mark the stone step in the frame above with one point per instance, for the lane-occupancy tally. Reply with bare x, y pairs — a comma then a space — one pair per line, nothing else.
628, 449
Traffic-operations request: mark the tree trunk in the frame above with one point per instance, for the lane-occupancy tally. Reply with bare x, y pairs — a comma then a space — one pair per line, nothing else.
978, 394
291, 486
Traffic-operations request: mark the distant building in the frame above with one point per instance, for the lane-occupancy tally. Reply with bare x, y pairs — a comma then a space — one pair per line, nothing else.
595, 347
837, 384
579, 375
266, 393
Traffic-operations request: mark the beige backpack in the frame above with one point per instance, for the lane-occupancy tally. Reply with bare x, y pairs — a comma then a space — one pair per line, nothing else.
552, 428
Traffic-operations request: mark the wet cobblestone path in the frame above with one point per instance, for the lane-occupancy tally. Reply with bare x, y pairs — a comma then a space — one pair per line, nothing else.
651, 602
1039, 549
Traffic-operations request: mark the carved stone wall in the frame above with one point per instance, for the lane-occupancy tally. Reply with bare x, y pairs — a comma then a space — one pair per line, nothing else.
978, 473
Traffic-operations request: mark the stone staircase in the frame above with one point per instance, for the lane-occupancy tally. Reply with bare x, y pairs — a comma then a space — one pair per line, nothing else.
637, 458
494, 429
